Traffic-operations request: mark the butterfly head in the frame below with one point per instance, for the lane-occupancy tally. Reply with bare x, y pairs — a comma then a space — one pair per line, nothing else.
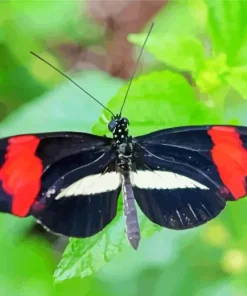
119, 126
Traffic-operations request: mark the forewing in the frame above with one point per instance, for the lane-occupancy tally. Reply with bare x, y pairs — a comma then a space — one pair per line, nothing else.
184, 176
24, 159
224, 146
82, 201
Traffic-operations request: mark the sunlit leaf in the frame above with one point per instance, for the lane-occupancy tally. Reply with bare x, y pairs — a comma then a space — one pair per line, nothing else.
226, 22
182, 52
159, 100
165, 22
155, 101
211, 77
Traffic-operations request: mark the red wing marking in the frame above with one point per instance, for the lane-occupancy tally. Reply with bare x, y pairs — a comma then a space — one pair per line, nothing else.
21, 173
230, 157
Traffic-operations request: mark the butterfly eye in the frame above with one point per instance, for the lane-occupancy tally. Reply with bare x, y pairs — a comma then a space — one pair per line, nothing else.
112, 125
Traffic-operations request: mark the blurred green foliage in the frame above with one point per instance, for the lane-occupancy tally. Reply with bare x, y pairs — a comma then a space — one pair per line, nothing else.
201, 49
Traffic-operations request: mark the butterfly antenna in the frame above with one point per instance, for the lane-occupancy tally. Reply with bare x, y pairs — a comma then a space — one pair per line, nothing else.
135, 69
71, 80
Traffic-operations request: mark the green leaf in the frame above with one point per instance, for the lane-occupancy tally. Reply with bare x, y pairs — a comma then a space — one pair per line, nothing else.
17, 83
85, 257
157, 101
25, 259
238, 80
31, 16
226, 24
185, 53
64, 108
68, 22
211, 77
164, 19
198, 14
235, 109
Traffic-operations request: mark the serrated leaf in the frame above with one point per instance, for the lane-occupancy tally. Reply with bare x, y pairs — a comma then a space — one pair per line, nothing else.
226, 24
64, 108
85, 257
185, 53
238, 80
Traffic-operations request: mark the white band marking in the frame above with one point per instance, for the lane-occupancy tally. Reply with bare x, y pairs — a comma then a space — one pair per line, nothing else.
93, 184
100, 183
163, 180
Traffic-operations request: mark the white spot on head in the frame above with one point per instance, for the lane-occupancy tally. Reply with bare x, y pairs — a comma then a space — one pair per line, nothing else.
94, 184
122, 136
119, 130
163, 180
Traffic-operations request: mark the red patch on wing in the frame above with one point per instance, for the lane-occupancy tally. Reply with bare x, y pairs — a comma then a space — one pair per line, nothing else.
21, 173
230, 157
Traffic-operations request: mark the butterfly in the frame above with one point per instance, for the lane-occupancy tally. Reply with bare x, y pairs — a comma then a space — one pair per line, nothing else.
70, 182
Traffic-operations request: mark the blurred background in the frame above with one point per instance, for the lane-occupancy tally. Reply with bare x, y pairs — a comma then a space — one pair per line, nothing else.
193, 71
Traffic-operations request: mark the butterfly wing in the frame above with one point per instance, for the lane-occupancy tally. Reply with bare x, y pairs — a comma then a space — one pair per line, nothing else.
25, 158
78, 199
184, 176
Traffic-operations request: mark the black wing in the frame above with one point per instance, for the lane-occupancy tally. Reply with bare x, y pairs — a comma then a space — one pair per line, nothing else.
82, 200
34, 167
184, 176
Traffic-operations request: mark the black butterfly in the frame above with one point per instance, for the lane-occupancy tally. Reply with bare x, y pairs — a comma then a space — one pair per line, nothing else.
70, 182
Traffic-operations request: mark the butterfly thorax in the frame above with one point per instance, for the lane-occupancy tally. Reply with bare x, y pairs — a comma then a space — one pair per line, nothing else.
123, 142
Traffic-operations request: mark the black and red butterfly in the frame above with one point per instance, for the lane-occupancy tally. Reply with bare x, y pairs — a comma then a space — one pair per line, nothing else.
70, 182
180, 177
